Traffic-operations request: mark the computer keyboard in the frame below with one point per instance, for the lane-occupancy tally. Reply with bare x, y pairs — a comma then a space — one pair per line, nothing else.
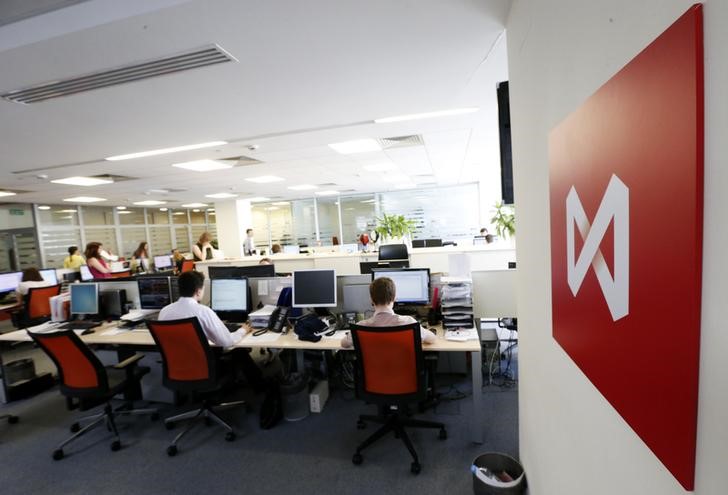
79, 325
232, 327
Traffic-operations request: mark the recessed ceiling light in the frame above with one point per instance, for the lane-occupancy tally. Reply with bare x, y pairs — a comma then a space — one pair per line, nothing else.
356, 146
369, 201
210, 212
203, 165
178, 213
281, 203
302, 187
121, 207
378, 167
125, 212
65, 211
149, 202
83, 181
84, 199
327, 193
164, 151
44, 207
163, 209
194, 205
265, 179
221, 195
426, 115
258, 199
196, 210
159, 191
7, 193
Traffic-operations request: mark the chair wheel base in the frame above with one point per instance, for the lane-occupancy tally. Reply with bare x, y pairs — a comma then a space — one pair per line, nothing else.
13, 419
357, 459
415, 468
115, 445
75, 427
58, 454
230, 436
443, 434
172, 450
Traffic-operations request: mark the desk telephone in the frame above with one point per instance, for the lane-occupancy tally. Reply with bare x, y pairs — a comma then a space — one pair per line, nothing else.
278, 318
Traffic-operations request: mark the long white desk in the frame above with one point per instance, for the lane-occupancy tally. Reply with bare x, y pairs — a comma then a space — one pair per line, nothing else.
107, 336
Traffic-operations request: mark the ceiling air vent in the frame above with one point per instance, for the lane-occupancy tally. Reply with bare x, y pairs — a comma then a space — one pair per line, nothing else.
401, 142
202, 57
240, 161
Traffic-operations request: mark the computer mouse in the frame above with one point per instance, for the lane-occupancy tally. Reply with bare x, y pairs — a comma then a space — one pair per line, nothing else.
87, 331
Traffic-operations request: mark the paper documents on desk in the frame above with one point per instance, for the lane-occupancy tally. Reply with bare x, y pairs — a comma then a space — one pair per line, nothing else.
115, 331
138, 314
462, 335
47, 327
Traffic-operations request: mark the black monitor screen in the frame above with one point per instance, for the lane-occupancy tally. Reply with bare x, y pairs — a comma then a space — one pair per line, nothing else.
229, 294
393, 252
412, 284
366, 267
433, 242
418, 243
84, 299
154, 292
49, 275
314, 288
86, 273
253, 271
162, 262
9, 281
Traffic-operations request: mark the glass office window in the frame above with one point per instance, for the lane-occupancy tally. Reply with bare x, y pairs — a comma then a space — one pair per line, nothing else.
16, 216
132, 216
130, 239
179, 217
158, 217
160, 241
280, 222
358, 215
182, 240
55, 243
197, 216
304, 227
197, 231
58, 215
107, 237
97, 215
328, 217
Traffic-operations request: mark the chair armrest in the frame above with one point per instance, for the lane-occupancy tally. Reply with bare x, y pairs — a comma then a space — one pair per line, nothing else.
130, 361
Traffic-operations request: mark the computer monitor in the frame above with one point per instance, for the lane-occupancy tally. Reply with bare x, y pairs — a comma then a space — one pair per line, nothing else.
314, 288
413, 284
295, 249
366, 267
433, 242
154, 292
9, 281
163, 262
253, 271
479, 240
49, 275
356, 298
393, 252
85, 273
84, 299
229, 298
418, 243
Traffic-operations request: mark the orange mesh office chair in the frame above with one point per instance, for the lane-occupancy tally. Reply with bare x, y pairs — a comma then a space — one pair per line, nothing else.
390, 373
36, 306
124, 274
190, 366
87, 383
187, 266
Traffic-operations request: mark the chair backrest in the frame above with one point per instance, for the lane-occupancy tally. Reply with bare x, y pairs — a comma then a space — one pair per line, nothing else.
393, 252
80, 371
390, 364
187, 266
124, 274
38, 301
187, 359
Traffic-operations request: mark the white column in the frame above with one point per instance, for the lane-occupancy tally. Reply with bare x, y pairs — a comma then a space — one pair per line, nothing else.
233, 217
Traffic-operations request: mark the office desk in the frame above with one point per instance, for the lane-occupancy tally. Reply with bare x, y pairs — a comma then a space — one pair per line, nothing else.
143, 338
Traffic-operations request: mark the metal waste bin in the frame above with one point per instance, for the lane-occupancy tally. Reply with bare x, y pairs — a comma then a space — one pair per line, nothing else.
294, 392
495, 463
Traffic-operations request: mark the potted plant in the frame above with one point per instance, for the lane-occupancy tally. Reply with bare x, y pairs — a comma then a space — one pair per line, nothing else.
392, 229
504, 220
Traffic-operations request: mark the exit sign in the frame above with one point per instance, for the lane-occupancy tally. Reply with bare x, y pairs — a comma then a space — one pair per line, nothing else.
17, 211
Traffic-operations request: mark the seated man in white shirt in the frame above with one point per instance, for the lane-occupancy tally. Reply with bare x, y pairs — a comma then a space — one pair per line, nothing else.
191, 289
382, 292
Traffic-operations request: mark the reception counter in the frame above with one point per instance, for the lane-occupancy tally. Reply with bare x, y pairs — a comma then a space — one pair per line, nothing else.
448, 259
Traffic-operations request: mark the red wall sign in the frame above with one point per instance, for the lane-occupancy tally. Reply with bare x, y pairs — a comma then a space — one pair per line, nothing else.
626, 187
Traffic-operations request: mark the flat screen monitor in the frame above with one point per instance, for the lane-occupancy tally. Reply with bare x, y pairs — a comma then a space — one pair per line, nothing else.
356, 298
253, 271
49, 275
292, 249
433, 242
84, 299
229, 296
85, 273
314, 288
366, 267
9, 281
418, 243
154, 292
413, 284
393, 252
163, 262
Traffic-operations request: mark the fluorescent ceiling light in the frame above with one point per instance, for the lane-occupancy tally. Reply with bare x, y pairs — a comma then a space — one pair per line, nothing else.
149, 202
258, 199
378, 167
179, 213
194, 205
196, 210
163, 209
159, 191
221, 195
125, 212
164, 151
281, 203
265, 179
82, 181
44, 207
121, 207
65, 211
356, 146
302, 187
211, 212
426, 115
84, 199
327, 193
7, 193
211, 209
369, 201
203, 165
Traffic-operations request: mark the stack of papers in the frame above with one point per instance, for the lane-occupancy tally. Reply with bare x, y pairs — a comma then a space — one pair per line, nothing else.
260, 318
139, 314
461, 335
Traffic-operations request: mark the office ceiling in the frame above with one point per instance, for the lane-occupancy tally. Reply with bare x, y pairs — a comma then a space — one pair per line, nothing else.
306, 74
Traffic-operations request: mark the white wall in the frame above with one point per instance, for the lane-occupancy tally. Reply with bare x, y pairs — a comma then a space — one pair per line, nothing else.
572, 440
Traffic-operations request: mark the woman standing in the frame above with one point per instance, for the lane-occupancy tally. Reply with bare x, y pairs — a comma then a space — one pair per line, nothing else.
203, 249
96, 264
140, 258
74, 259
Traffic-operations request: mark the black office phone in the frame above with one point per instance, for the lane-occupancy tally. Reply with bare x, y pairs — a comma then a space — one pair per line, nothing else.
278, 319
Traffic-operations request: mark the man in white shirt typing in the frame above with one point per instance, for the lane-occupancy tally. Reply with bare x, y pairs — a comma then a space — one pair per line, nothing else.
191, 289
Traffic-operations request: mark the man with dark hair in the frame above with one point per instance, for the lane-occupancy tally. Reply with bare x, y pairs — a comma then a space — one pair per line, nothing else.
248, 243
382, 292
191, 288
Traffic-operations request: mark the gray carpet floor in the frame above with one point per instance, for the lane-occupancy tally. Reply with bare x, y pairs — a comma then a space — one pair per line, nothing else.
311, 456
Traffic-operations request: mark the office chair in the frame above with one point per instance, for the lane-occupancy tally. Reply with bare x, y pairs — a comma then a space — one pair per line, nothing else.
36, 306
86, 383
190, 366
390, 373
124, 274
187, 266
393, 252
